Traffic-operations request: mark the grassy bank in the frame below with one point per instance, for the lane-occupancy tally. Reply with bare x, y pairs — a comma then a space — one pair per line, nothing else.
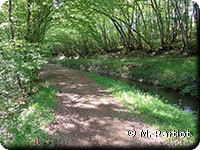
168, 72
24, 128
152, 110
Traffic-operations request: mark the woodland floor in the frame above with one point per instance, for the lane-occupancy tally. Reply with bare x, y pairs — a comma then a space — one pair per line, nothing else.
87, 115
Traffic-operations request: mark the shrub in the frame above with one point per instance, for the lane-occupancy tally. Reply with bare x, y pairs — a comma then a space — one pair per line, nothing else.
20, 63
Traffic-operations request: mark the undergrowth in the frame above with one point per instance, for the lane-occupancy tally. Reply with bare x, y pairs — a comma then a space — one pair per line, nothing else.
24, 128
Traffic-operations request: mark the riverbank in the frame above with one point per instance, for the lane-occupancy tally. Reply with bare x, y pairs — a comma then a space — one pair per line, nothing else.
167, 72
100, 110
152, 110
88, 115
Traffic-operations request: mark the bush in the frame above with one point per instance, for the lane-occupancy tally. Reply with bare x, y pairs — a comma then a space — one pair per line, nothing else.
20, 63
25, 129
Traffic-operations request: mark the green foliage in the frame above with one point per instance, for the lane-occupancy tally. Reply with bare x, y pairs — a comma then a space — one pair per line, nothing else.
20, 63
168, 72
176, 73
21, 58
83, 27
101, 25
40, 17
154, 112
80, 38
25, 129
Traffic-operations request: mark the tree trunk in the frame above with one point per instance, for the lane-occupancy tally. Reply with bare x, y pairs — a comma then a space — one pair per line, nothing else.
122, 34
159, 21
9, 18
198, 25
28, 20
104, 35
181, 23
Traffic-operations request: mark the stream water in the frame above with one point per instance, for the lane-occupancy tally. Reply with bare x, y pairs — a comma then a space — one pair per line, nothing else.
185, 102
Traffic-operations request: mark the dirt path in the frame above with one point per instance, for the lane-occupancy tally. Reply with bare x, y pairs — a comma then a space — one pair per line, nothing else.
90, 116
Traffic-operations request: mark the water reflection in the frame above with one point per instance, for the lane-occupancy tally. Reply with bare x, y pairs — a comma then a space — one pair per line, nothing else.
185, 102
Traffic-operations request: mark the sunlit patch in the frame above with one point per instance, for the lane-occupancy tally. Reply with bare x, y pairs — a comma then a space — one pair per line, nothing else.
101, 122
68, 125
85, 106
120, 110
98, 103
27, 112
62, 83
62, 94
60, 117
78, 84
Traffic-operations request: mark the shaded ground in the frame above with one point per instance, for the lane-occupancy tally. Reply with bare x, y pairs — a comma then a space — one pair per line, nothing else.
89, 116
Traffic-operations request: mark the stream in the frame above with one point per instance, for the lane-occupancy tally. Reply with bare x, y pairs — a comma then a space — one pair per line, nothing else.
184, 102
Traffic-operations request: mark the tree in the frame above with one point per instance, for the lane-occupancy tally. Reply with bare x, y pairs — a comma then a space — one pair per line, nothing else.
28, 20
9, 18
197, 18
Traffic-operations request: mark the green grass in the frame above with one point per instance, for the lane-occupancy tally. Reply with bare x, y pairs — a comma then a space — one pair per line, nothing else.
151, 109
26, 127
168, 72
